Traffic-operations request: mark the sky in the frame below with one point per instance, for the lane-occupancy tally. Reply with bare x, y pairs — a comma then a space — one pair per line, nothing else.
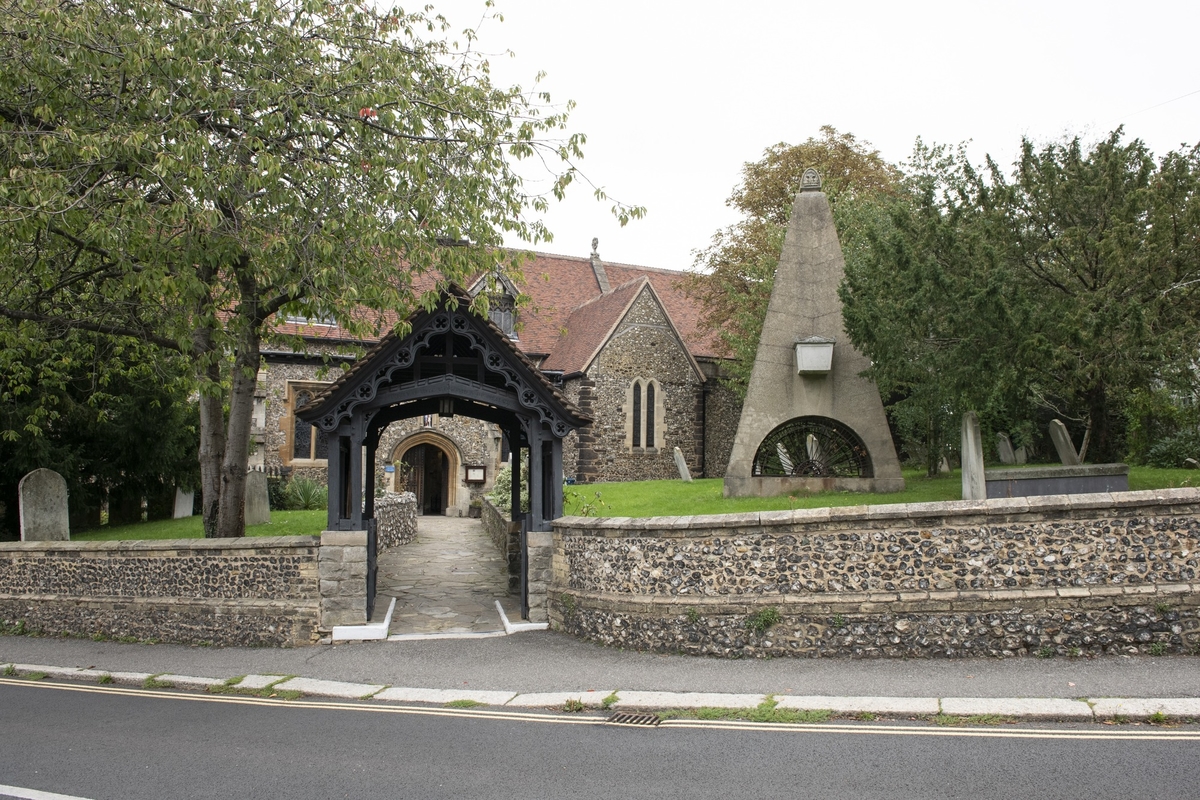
676, 96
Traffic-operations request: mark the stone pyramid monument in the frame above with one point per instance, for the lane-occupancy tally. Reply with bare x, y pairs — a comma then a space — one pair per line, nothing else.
810, 422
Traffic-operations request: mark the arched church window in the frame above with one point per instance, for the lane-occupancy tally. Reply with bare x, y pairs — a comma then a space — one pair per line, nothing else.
650, 414
309, 443
636, 413
502, 310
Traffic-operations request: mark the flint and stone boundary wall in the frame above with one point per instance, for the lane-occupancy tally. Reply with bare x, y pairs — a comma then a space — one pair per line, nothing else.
264, 591
1082, 574
507, 539
396, 519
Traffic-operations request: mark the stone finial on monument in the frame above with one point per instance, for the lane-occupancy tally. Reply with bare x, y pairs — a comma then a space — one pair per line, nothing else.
974, 483
258, 504
810, 421
1063, 444
42, 504
1005, 449
681, 465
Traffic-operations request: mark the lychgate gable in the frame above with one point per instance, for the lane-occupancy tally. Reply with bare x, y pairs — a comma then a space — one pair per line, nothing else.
451, 362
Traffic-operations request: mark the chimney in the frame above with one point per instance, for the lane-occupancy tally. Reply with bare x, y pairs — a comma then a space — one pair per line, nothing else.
598, 268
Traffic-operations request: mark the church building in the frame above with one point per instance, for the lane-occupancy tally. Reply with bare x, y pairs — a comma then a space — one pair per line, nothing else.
621, 342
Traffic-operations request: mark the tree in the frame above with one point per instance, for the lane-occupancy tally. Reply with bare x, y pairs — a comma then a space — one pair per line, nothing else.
1063, 290
183, 172
112, 416
733, 277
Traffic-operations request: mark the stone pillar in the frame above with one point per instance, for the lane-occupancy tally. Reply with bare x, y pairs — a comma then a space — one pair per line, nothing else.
541, 550
342, 569
974, 485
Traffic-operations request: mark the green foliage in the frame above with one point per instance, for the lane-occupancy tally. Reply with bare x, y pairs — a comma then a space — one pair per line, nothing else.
1158, 649
283, 523
464, 704
766, 711
1052, 292
733, 277
501, 493
576, 503
183, 173
1175, 449
763, 620
609, 701
305, 494
573, 706
1046, 651
113, 417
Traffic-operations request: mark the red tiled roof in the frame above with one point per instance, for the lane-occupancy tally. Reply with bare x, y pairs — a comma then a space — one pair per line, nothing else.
558, 286
590, 325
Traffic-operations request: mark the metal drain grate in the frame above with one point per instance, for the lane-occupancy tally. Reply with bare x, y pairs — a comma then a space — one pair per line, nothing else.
638, 720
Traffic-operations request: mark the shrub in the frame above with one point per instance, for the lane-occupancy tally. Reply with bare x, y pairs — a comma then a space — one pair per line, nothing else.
1172, 451
501, 493
305, 494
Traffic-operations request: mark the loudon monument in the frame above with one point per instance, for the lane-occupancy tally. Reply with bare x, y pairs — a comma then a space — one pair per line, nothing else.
810, 421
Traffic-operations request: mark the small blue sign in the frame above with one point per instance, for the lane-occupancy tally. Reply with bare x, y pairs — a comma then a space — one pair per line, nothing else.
389, 468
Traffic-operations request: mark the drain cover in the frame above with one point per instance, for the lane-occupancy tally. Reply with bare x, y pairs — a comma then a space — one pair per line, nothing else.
639, 720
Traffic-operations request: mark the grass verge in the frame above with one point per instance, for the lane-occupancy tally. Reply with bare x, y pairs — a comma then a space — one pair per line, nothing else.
766, 711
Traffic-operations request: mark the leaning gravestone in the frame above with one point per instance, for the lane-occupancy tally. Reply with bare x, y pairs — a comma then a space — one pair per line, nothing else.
1063, 444
1005, 448
42, 500
258, 505
681, 465
974, 483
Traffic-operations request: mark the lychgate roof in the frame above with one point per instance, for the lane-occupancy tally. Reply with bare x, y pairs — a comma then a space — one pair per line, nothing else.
482, 364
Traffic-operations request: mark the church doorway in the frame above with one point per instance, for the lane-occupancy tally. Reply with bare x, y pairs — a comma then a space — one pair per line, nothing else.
430, 465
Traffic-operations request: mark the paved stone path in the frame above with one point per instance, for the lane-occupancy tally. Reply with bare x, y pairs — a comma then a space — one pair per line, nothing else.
445, 581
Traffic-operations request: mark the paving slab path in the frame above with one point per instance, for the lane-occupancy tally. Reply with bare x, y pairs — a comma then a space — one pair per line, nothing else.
447, 580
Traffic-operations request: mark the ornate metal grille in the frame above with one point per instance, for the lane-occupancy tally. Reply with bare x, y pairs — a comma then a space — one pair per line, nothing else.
815, 447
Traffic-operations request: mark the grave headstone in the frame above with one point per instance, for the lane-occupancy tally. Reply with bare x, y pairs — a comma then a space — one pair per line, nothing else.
258, 506
1191, 463
1005, 448
1022, 455
974, 485
1063, 444
184, 503
42, 503
944, 466
681, 465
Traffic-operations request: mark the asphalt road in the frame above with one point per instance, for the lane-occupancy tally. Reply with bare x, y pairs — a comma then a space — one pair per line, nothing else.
105, 742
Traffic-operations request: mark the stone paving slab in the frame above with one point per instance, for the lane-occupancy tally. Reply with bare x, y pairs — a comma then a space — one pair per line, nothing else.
559, 699
687, 700
401, 695
447, 580
77, 672
348, 691
1143, 707
916, 706
259, 681
1026, 707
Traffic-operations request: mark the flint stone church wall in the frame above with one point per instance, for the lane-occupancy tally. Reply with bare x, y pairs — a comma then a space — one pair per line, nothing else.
1083, 574
643, 346
254, 591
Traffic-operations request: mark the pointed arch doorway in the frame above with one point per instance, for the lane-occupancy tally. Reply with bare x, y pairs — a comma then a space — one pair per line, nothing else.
432, 465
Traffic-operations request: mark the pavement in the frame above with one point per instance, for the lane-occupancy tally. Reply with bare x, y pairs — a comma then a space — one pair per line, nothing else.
447, 581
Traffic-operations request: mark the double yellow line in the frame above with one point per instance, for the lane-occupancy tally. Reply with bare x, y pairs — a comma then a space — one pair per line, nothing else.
1188, 734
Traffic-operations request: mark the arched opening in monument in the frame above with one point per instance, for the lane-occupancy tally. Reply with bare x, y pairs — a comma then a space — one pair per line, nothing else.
428, 467
813, 447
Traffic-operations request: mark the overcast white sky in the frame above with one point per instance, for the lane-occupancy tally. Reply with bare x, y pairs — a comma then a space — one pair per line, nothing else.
675, 96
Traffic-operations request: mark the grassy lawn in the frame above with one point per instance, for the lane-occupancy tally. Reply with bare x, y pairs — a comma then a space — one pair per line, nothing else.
283, 523
646, 499
703, 496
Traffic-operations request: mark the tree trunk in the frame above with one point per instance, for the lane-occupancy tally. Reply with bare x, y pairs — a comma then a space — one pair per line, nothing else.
237, 442
212, 429
1100, 442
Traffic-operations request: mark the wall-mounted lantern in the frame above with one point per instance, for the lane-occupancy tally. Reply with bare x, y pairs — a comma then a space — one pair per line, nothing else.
814, 356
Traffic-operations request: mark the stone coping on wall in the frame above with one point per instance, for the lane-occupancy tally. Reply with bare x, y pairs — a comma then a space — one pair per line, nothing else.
951, 510
1064, 471
142, 545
